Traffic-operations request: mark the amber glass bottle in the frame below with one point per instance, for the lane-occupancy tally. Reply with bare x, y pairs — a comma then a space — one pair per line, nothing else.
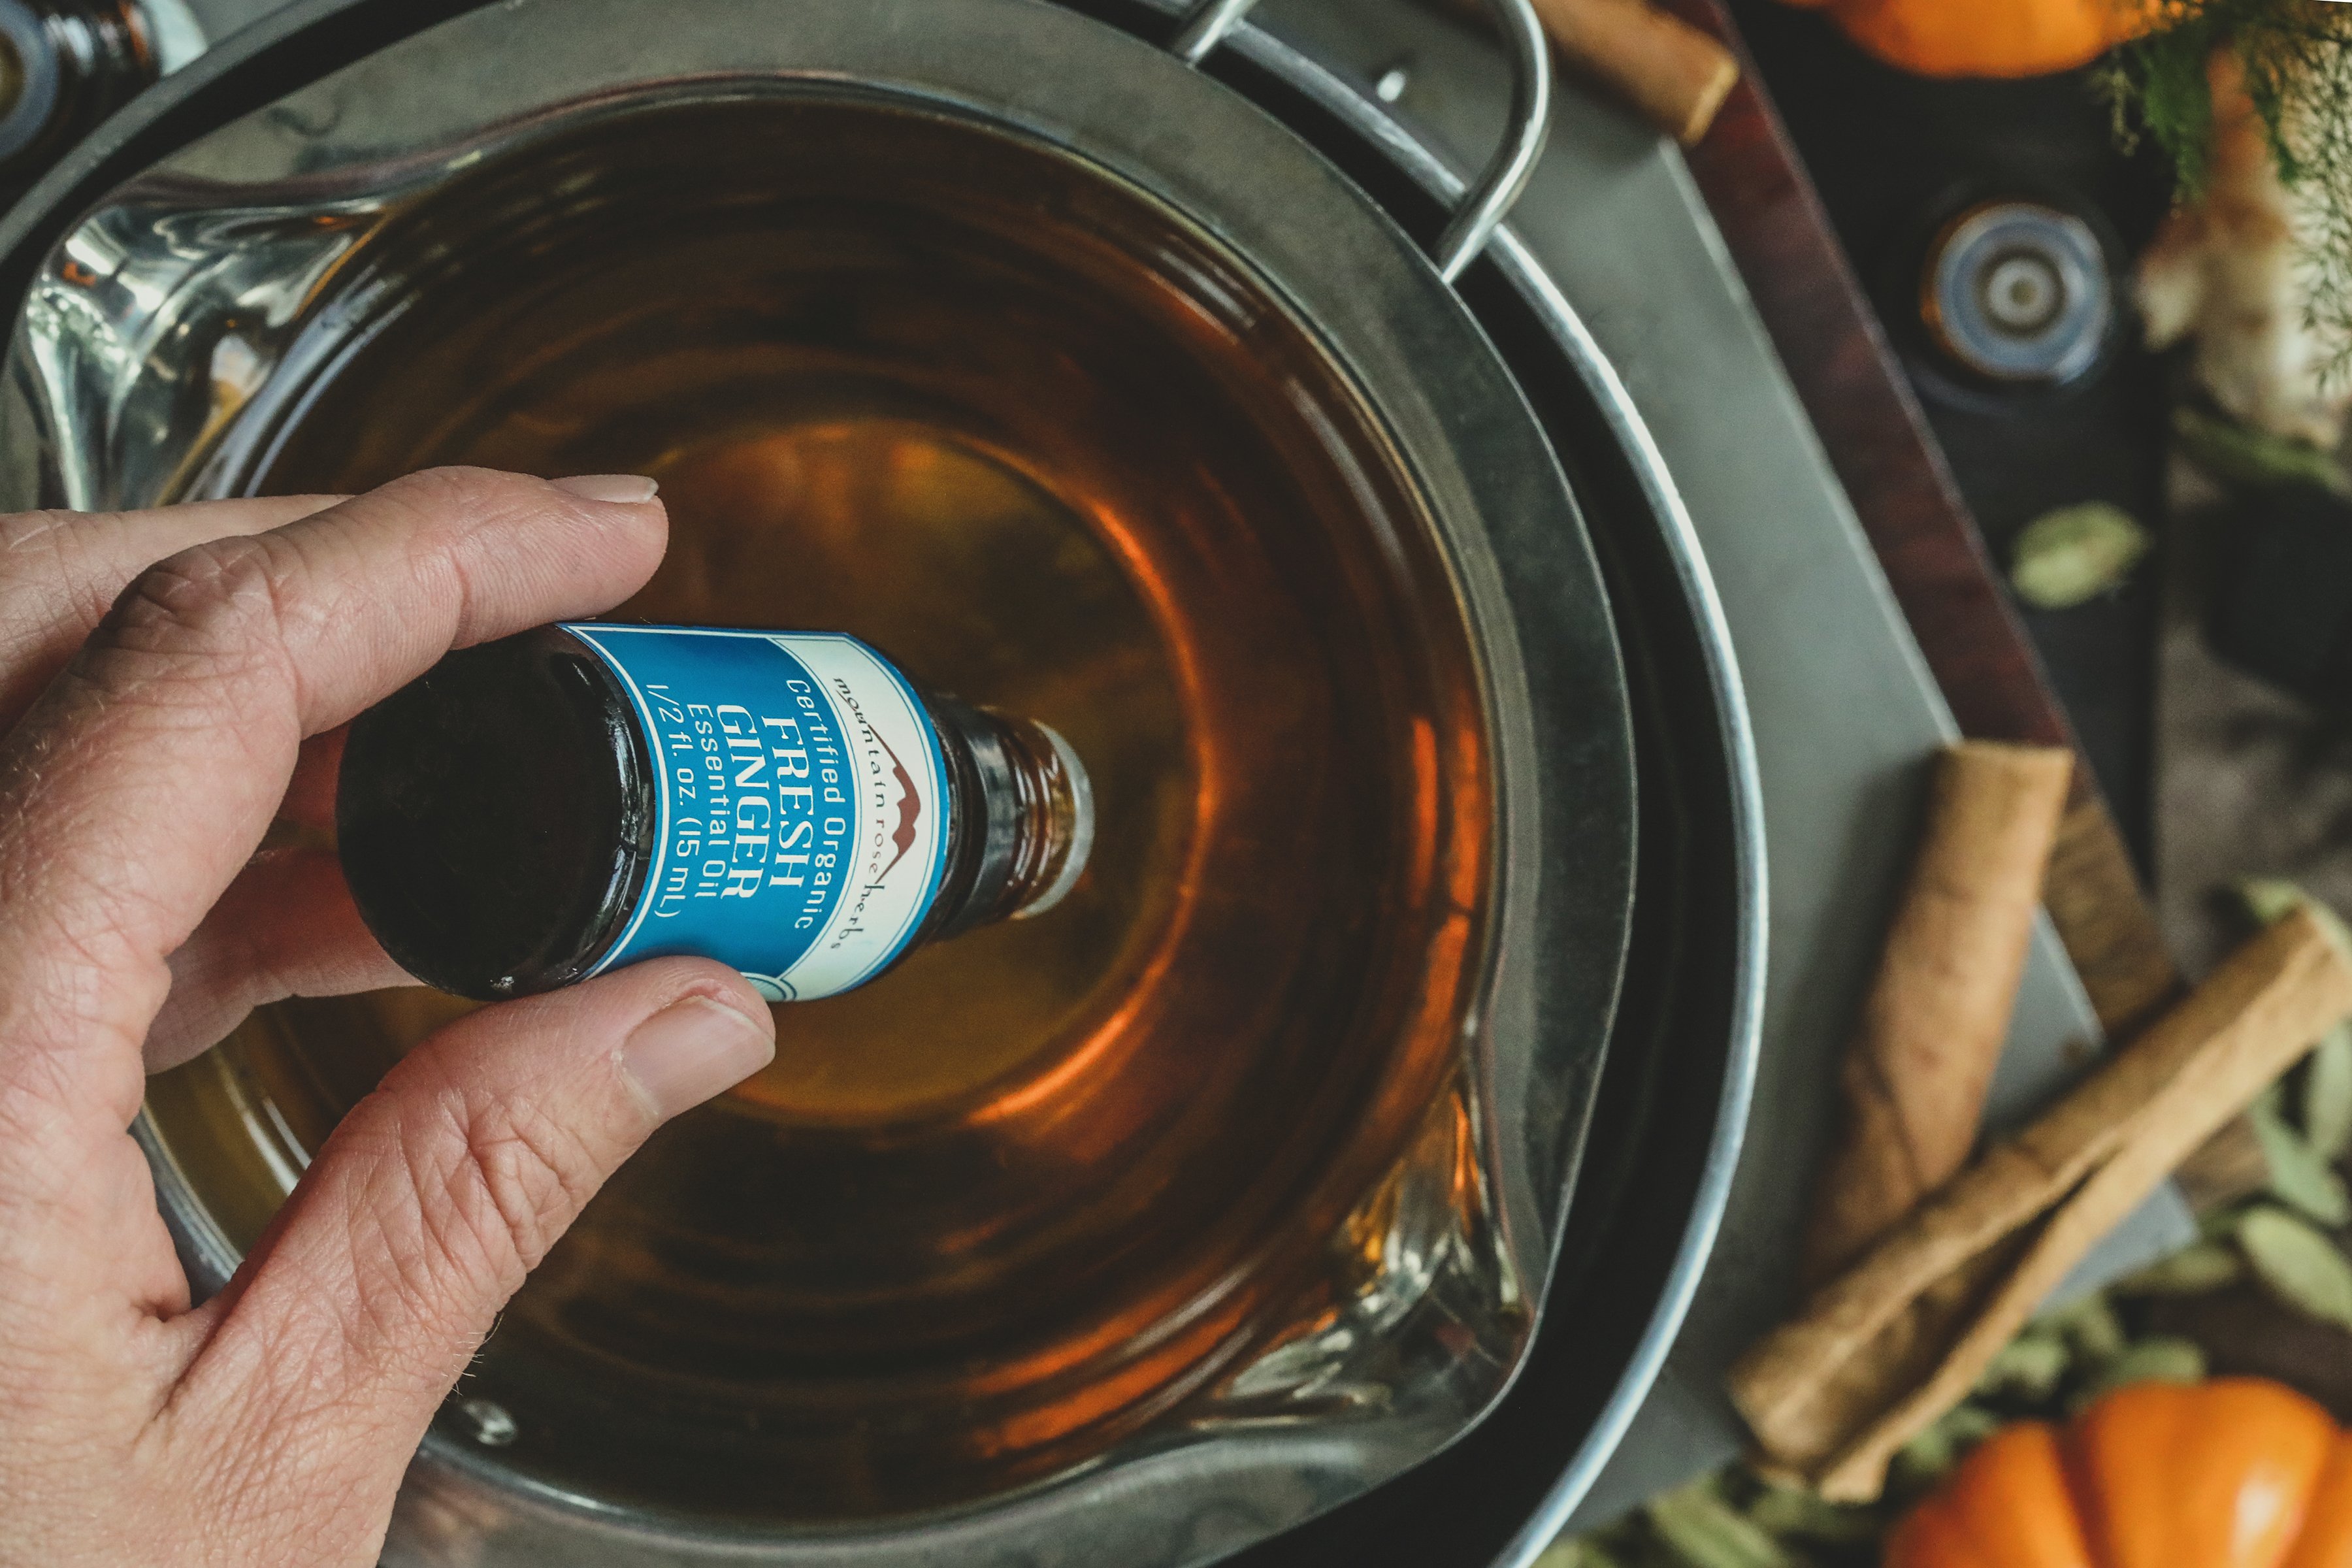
544, 808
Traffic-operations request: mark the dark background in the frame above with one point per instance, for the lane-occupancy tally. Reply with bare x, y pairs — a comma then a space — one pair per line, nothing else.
1893, 156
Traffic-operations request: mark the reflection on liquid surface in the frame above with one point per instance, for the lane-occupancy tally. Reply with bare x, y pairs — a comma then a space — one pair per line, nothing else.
1052, 453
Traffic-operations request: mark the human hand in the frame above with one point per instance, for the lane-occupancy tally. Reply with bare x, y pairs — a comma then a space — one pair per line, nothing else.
143, 763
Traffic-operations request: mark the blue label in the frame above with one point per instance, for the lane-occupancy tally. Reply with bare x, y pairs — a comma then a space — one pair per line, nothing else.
803, 823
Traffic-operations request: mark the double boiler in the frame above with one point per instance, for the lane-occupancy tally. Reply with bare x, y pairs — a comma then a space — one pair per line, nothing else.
1101, 363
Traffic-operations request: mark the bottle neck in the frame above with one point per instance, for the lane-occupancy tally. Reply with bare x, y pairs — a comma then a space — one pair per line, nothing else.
65, 65
1024, 818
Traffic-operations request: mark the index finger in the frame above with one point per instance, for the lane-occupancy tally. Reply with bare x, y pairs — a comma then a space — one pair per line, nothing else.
59, 571
148, 773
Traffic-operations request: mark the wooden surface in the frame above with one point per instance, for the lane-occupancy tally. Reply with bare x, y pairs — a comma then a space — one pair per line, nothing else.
1900, 488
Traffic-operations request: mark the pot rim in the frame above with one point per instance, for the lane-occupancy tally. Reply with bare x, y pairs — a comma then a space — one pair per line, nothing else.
1476, 382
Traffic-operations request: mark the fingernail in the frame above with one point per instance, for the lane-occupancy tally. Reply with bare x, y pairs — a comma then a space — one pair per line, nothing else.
690, 1050
629, 489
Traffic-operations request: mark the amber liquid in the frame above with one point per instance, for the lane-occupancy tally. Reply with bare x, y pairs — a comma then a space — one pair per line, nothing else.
1034, 1191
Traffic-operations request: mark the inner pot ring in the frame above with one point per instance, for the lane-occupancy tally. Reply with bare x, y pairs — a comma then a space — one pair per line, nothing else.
1056, 450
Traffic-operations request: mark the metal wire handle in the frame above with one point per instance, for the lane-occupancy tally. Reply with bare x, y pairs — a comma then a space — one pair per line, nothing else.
1488, 200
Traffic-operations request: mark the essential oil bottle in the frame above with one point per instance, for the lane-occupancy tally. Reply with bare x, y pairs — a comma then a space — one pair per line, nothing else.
544, 808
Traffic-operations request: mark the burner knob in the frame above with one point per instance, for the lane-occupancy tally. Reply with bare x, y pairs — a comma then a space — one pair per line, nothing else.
2017, 292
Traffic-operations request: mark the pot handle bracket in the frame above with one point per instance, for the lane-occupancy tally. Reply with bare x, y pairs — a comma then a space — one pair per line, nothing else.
1489, 199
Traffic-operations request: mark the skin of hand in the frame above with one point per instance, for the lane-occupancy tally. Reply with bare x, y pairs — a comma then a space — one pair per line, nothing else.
159, 718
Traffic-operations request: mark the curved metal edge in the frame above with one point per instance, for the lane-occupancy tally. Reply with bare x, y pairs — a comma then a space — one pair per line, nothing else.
1698, 1244
203, 1248
157, 122
1593, 368
1314, 82
1648, 462
1206, 28
1506, 174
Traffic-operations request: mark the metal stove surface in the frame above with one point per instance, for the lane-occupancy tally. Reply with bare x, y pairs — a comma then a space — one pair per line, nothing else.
1844, 711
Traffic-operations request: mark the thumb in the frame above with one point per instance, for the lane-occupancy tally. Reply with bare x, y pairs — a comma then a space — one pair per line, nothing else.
386, 1267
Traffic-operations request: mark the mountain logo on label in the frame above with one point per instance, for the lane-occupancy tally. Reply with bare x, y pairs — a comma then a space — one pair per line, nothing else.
910, 809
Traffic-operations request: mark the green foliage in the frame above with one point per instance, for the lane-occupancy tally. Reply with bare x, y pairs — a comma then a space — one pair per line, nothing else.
2070, 555
2297, 59
2156, 89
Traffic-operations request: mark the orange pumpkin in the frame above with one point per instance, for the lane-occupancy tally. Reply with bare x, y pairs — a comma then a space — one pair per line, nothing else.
1989, 38
2234, 1473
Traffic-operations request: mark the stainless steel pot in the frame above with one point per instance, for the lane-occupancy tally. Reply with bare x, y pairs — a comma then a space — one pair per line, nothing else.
244, 238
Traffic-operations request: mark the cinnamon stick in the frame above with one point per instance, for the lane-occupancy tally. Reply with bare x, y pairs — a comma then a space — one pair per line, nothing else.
1673, 75
1882, 1351
1932, 1027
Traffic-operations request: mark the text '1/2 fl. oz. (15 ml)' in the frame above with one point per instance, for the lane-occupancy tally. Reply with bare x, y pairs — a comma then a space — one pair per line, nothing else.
555, 805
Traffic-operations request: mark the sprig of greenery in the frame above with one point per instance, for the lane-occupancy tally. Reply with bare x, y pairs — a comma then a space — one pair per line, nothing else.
2296, 56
